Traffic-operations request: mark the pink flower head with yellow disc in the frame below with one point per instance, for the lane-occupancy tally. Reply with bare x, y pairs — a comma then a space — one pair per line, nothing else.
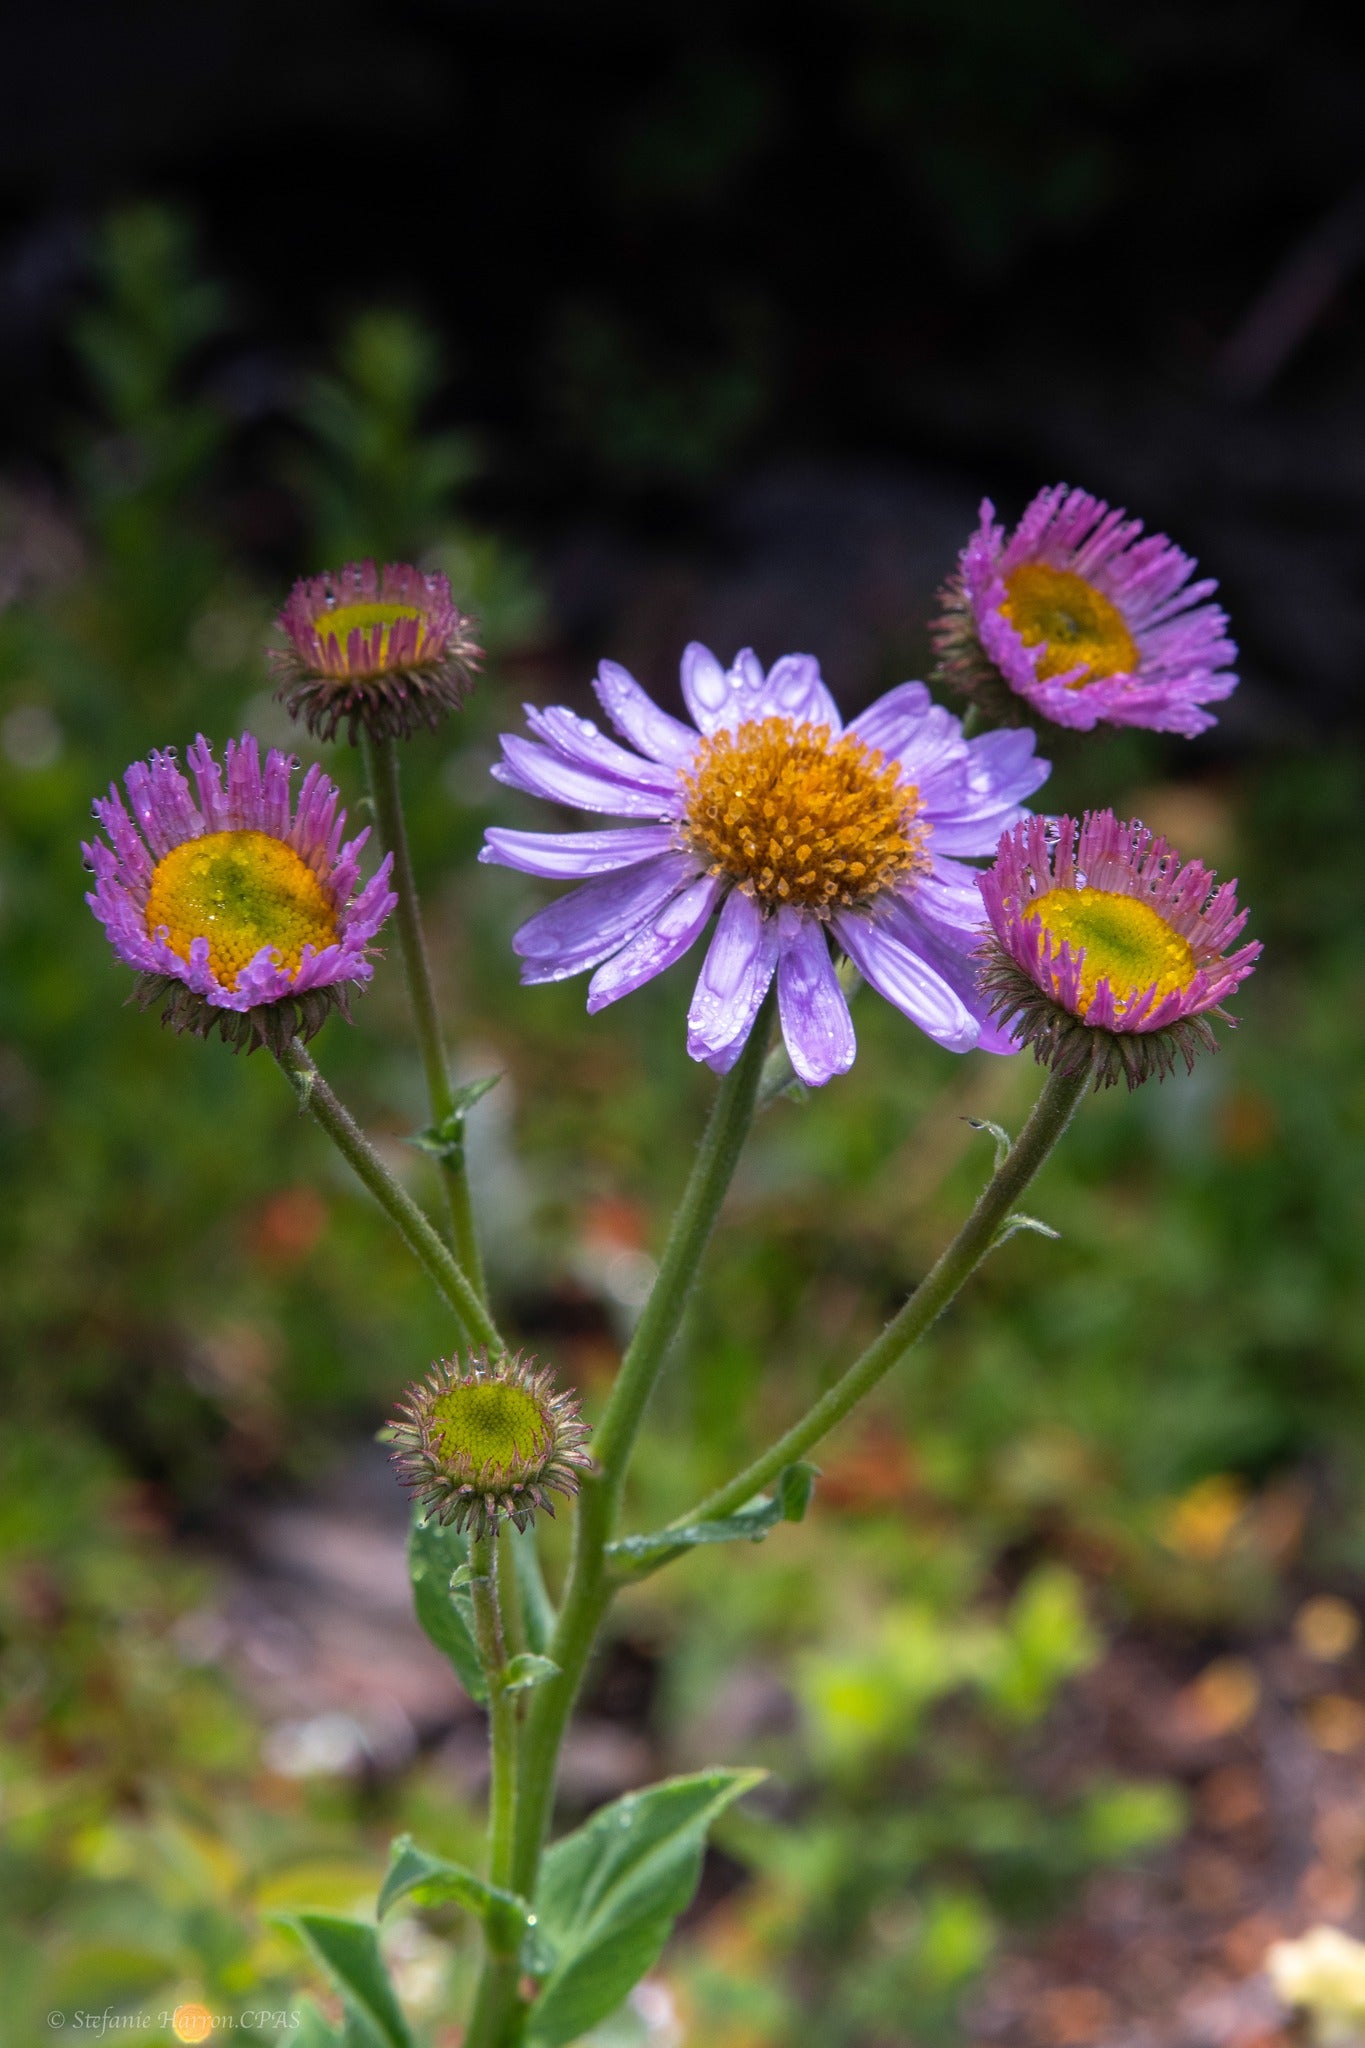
1105, 949
239, 908
384, 649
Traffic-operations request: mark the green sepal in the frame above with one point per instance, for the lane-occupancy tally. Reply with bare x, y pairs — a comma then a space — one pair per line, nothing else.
526, 1670
445, 1140
349, 1952
436, 1553
610, 1892
788, 1502
433, 1881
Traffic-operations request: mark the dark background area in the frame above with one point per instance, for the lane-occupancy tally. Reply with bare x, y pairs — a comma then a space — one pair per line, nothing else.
755, 279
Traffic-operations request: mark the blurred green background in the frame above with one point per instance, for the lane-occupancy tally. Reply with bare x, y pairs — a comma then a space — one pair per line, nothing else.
1145, 1433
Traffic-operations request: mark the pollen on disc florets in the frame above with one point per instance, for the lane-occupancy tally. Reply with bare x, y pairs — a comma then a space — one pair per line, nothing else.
798, 815
476, 1441
387, 650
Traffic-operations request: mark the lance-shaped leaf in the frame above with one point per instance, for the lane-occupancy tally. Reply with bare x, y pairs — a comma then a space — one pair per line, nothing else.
308, 2029
788, 1502
431, 1881
435, 1553
610, 1892
349, 1952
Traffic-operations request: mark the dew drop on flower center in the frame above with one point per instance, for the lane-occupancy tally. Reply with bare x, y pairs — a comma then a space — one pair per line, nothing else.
1075, 623
240, 891
798, 815
1126, 942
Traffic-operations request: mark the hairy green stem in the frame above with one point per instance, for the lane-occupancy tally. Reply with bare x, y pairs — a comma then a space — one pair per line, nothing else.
381, 768
496, 2005
1051, 1113
426, 1245
589, 1590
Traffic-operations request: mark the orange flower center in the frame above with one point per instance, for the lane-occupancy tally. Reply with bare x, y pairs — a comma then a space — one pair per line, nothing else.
240, 891
1125, 941
1077, 625
797, 815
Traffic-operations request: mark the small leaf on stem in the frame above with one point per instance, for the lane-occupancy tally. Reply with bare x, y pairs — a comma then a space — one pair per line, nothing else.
788, 1502
432, 1880
1019, 1221
527, 1670
1003, 1140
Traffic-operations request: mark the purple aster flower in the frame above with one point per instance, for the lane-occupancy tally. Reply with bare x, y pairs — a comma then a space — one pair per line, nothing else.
387, 649
1084, 621
238, 909
798, 830
1104, 948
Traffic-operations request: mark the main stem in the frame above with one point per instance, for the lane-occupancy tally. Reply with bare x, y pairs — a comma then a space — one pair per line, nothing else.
1048, 1119
497, 1994
381, 768
426, 1245
589, 1590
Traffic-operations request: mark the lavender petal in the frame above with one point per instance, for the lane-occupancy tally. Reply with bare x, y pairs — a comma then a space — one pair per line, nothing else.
734, 979
907, 981
583, 928
571, 856
635, 714
816, 1024
663, 940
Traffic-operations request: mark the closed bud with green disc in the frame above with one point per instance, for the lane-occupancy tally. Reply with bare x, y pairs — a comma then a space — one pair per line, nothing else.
477, 1440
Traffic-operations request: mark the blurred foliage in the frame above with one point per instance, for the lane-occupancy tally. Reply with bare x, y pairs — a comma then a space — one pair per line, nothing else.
198, 1308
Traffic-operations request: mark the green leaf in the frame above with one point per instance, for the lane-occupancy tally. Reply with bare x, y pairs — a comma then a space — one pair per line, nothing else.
435, 1553
788, 1502
445, 1140
431, 1881
610, 1892
1019, 1221
537, 1609
349, 1952
527, 1670
310, 2029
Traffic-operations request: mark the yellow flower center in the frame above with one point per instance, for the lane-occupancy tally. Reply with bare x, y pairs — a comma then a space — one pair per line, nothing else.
1126, 942
799, 816
240, 891
498, 1428
1078, 625
345, 619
